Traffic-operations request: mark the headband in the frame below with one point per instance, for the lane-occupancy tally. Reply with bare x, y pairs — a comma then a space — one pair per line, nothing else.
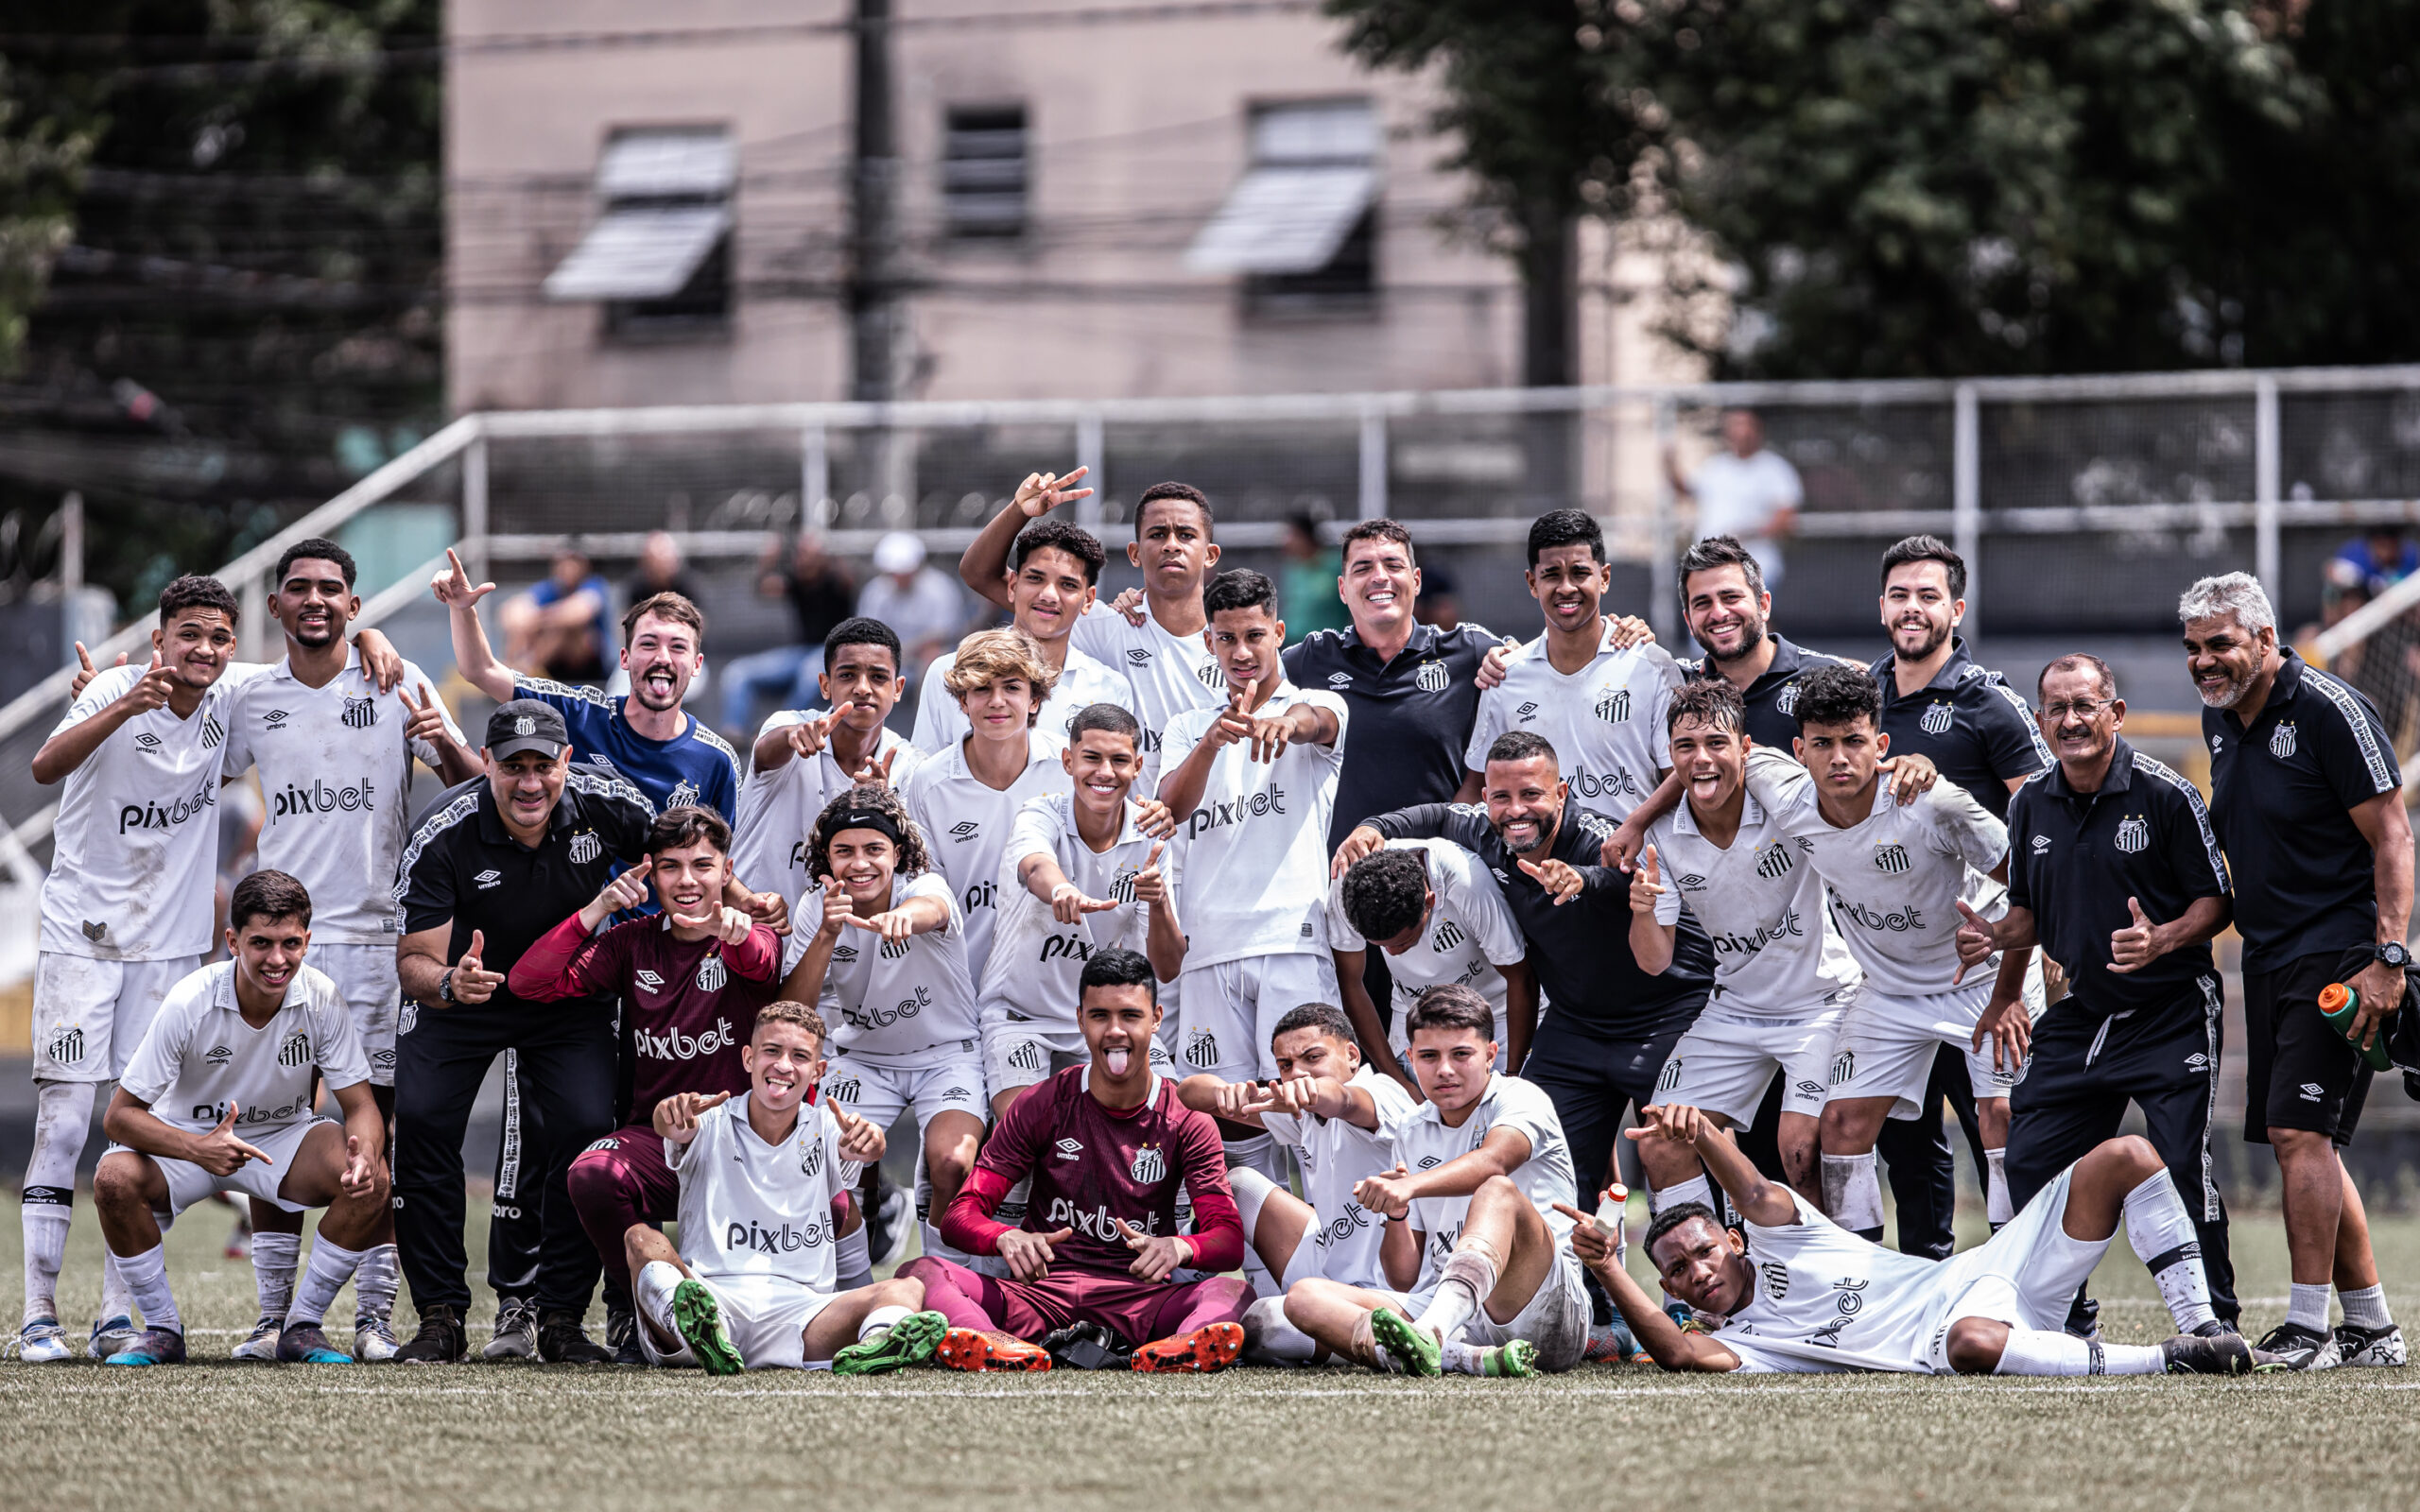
874, 819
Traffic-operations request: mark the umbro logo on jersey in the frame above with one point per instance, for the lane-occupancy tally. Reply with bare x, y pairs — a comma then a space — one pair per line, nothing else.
964, 829
2311, 1092
1136, 655
2041, 845
2216, 741
1068, 1149
844, 952
2134, 834
488, 879
1149, 1164
1936, 719
2197, 1061
1614, 708
2281, 740
1526, 712
1692, 881
1433, 676
1448, 936
1774, 860
220, 1056
295, 1051
651, 981
1810, 1089
1340, 679
360, 714
1429, 1162
276, 718
712, 974
585, 847
149, 742
1891, 859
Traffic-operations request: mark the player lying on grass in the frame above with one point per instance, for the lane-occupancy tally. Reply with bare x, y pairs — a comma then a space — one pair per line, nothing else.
1798, 1293
1479, 1281
218, 1098
1108, 1145
1339, 1115
752, 1287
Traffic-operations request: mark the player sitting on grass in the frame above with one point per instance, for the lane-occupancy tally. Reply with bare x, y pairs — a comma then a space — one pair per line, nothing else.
218, 1098
1339, 1115
1480, 1279
1799, 1293
752, 1286
1107, 1145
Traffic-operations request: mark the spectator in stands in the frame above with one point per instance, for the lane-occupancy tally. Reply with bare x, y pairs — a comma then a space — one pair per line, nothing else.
1307, 580
661, 570
821, 594
921, 603
1743, 490
564, 627
1439, 605
2386, 662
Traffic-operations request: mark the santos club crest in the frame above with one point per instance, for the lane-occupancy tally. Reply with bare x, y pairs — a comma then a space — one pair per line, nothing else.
2281, 740
585, 847
1433, 676
1891, 859
1614, 708
1149, 1164
711, 976
2134, 834
1788, 702
1936, 720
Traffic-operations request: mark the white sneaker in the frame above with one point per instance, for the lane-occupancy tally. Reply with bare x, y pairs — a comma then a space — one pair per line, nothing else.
260, 1344
373, 1340
517, 1332
111, 1335
2361, 1346
40, 1341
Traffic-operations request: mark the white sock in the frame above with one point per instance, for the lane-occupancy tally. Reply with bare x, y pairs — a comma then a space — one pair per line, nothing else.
2307, 1305
1271, 1338
2366, 1308
1460, 1359
1695, 1189
332, 1266
1260, 1153
2166, 1241
1853, 1193
651, 1295
1468, 1275
374, 1284
1998, 1210
274, 1260
62, 1117
146, 1274
880, 1321
2050, 1352
853, 1262
117, 1298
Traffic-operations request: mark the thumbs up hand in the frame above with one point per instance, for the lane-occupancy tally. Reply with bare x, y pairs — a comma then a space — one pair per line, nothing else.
473, 981
2136, 945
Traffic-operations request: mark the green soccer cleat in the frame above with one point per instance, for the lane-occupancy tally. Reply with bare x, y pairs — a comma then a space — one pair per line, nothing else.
909, 1341
1416, 1349
1517, 1360
699, 1317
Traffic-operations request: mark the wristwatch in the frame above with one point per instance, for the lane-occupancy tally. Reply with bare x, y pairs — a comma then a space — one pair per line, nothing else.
446, 985
2391, 955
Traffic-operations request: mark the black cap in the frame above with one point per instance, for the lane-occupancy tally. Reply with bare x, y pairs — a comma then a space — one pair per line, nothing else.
525, 724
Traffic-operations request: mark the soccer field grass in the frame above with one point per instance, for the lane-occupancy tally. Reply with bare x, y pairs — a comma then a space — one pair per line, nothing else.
222, 1435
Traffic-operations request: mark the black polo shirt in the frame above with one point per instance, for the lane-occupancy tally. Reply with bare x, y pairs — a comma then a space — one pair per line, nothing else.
2074, 859
463, 865
1579, 951
1969, 722
2281, 795
1411, 716
1773, 699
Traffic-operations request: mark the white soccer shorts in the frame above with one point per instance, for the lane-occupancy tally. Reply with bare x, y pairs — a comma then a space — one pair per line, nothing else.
1228, 1012
765, 1316
943, 1079
90, 1015
1887, 1044
1252, 1190
1021, 1053
1726, 1060
365, 978
2024, 1276
189, 1183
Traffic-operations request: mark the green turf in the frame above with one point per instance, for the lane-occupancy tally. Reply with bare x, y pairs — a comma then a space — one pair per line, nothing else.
524, 1436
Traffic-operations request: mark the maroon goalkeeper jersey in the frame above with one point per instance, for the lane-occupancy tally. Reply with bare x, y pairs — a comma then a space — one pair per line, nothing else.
1092, 1165
687, 1007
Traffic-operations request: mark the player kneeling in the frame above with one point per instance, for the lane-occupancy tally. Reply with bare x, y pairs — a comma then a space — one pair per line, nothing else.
1481, 1281
218, 1098
1108, 1144
1798, 1293
1339, 1115
752, 1287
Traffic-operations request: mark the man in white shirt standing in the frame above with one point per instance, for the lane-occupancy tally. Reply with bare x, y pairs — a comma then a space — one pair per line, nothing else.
1744, 492
1253, 787
1053, 585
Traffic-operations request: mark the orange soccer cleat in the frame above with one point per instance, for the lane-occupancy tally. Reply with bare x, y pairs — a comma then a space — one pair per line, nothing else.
973, 1349
1211, 1347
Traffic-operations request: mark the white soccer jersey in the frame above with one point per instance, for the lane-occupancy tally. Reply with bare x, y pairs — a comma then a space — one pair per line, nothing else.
1776, 954
1605, 721
134, 865
336, 776
966, 824
892, 998
1335, 1155
761, 1212
1424, 1143
1470, 931
1036, 961
1082, 682
1827, 1300
1255, 850
201, 1054
1169, 673
1896, 877
778, 808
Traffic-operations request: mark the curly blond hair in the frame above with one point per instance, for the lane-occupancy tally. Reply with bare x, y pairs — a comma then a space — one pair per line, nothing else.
987, 656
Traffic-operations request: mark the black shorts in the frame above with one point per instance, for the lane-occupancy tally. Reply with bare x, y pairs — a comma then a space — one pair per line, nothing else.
2298, 1073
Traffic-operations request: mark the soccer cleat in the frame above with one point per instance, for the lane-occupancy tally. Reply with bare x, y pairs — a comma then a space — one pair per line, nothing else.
699, 1317
151, 1347
1517, 1360
374, 1341
2215, 1328
1212, 1346
1418, 1352
563, 1341
909, 1341
516, 1330
1609, 1344
110, 1335
2301, 1349
622, 1336
307, 1344
2207, 1354
974, 1349
260, 1344
40, 1341
2357, 1346
440, 1341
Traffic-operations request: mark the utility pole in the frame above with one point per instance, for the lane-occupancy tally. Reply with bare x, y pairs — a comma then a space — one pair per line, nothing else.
873, 294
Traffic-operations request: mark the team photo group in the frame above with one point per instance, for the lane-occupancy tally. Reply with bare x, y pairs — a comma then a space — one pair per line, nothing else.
1260, 998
